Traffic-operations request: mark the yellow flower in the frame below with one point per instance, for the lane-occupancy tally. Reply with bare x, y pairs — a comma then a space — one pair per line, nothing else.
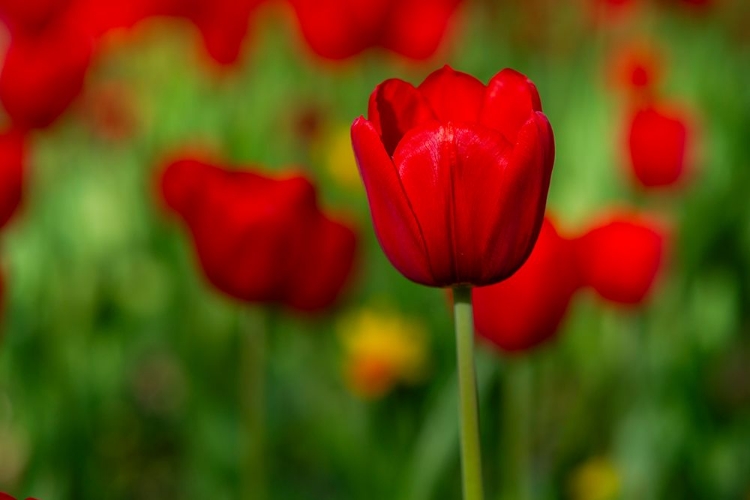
338, 158
382, 349
595, 479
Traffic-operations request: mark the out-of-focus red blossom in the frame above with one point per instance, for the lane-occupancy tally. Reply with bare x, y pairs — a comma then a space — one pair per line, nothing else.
98, 18
12, 157
261, 239
223, 24
456, 174
657, 144
5, 496
620, 258
636, 68
31, 16
604, 13
338, 29
527, 308
42, 74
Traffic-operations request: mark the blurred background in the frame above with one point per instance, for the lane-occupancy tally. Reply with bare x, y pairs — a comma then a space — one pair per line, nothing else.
124, 374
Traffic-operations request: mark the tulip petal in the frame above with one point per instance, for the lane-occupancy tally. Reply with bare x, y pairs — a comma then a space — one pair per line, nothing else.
479, 203
527, 308
396, 226
525, 184
621, 258
657, 143
509, 102
395, 107
336, 30
318, 286
453, 95
415, 28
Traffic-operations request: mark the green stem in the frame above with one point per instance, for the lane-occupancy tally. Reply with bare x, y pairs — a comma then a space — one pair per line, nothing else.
252, 382
471, 459
516, 434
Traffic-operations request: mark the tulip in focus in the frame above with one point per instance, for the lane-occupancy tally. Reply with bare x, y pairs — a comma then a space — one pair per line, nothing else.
657, 142
338, 29
382, 350
261, 239
456, 174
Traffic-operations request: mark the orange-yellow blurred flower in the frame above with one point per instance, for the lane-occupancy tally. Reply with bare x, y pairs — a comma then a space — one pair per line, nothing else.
595, 479
382, 350
338, 158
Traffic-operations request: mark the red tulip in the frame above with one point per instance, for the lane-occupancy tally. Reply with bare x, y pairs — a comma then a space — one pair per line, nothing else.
12, 157
31, 16
621, 257
657, 143
42, 75
456, 174
98, 18
637, 68
337, 29
527, 308
5, 496
223, 25
260, 239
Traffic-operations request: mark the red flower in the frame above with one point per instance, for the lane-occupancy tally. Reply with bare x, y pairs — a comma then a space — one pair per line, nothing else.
456, 174
337, 29
31, 16
42, 74
527, 308
5, 496
621, 257
260, 239
12, 156
223, 25
637, 68
657, 142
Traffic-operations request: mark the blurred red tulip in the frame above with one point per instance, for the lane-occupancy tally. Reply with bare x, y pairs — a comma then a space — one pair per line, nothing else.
337, 29
42, 74
31, 16
636, 68
98, 18
12, 158
657, 142
456, 174
621, 257
527, 308
605, 13
5, 496
261, 239
223, 25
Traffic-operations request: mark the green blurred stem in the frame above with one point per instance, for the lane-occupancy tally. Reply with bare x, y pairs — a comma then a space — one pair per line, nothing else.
471, 459
515, 456
252, 342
